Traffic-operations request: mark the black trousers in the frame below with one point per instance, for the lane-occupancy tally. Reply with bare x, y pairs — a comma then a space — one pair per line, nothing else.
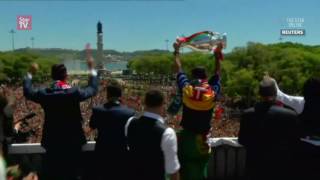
62, 163
308, 161
111, 165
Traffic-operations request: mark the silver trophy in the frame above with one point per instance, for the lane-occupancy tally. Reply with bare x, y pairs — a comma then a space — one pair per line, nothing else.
204, 41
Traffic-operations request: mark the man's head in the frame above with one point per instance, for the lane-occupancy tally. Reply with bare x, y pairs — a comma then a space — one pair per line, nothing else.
59, 72
154, 101
311, 89
113, 90
199, 73
267, 89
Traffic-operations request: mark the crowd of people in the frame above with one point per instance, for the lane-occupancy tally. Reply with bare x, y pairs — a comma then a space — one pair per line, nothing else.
62, 126
160, 132
133, 92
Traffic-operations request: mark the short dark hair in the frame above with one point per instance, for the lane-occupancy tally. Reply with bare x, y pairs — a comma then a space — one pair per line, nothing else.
267, 88
199, 73
58, 72
311, 88
114, 89
154, 98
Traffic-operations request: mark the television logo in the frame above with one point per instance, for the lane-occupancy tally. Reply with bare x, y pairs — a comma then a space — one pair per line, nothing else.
24, 22
294, 27
293, 32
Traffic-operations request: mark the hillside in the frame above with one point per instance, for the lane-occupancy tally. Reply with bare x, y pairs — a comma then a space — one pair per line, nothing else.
70, 54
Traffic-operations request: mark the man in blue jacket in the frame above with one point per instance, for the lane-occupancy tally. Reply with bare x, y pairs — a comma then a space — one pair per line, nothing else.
111, 150
62, 135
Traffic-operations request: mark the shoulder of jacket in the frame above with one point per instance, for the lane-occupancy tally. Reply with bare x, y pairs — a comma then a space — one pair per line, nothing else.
249, 110
98, 108
283, 110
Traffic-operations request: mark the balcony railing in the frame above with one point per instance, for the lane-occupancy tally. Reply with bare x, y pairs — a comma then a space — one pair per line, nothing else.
227, 160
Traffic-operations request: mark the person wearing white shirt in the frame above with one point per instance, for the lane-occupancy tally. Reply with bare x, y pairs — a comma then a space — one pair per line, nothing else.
295, 102
152, 145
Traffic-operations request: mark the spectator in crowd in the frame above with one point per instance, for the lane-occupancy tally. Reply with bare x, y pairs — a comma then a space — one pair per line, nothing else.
63, 135
111, 150
3, 104
198, 97
7, 133
309, 125
270, 134
6, 118
152, 145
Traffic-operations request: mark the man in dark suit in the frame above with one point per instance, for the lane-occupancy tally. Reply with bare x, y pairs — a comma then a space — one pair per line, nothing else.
62, 135
110, 119
270, 135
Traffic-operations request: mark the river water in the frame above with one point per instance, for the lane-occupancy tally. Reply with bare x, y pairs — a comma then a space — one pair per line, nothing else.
78, 65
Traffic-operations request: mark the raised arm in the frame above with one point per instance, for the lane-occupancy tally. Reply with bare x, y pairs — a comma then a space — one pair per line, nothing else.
29, 92
93, 83
218, 58
215, 80
295, 102
176, 53
182, 79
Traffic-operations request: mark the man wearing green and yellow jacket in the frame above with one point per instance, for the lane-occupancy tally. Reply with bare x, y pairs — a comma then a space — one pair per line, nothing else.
198, 96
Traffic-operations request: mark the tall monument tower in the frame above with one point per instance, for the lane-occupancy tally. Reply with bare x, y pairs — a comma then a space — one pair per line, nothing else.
100, 65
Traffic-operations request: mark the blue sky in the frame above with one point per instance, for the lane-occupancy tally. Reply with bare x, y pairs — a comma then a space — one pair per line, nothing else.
141, 24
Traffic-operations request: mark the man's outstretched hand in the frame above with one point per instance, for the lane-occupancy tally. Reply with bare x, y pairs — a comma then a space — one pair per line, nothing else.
90, 63
218, 51
176, 47
34, 68
178, 64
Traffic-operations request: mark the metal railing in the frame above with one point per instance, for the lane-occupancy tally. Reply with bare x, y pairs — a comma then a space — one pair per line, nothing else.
227, 160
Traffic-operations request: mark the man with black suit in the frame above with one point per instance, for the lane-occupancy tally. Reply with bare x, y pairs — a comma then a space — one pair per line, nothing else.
270, 135
110, 150
62, 135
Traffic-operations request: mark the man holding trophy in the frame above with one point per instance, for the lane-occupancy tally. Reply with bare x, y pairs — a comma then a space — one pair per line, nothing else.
198, 97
